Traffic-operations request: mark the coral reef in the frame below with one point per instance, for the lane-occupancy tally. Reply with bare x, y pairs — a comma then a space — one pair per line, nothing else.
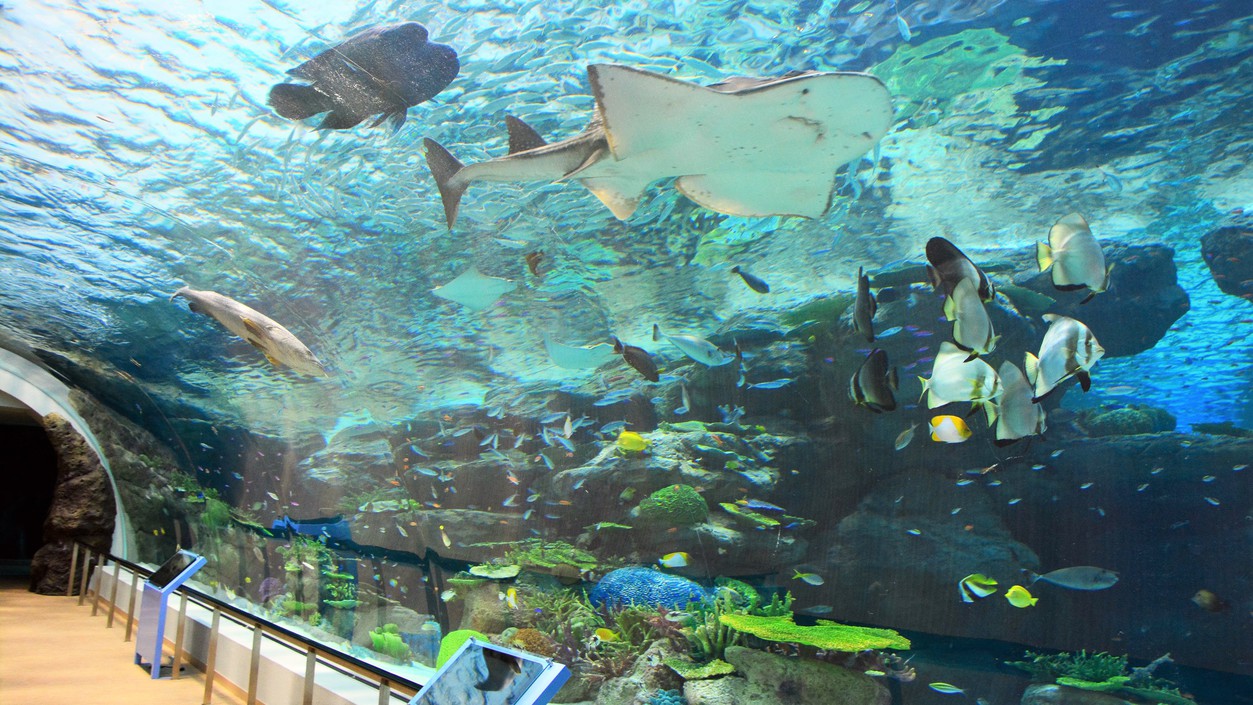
645, 586
532, 640
1101, 673
826, 635
692, 671
771, 679
667, 697
675, 505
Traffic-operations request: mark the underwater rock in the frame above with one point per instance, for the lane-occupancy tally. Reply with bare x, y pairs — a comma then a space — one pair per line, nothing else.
346, 460
465, 529
1051, 694
649, 675
1143, 301
645, 586
82, 508
1125, 421
906, 528
1229, 253
771, 679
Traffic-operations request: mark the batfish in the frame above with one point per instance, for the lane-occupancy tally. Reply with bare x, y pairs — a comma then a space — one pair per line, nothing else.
744, 146
872, 386
382, 71
276, 342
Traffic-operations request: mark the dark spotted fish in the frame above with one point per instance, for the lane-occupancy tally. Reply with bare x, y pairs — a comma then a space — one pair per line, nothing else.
637, 358
382, 71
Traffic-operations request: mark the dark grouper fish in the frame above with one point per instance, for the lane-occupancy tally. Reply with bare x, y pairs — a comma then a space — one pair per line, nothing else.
382, 71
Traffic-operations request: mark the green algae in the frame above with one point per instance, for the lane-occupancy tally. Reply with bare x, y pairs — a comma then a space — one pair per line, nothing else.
674, 505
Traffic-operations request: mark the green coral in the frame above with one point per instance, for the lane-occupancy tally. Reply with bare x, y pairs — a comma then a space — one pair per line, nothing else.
546, 555
691, 671
386, 640
827, 309
496, 572
1102, 673
707, 633
453, 641
675, 505
826, 635
1045, 668
1119, 685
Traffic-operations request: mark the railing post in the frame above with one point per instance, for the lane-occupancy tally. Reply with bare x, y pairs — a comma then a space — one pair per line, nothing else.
69, 582
385, 691
130, 610
117, 572
82, 585
254, 667
311, 662
178, 636
95, 601
211, 659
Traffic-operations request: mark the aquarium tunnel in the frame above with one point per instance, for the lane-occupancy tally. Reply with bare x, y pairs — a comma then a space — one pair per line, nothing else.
895, 352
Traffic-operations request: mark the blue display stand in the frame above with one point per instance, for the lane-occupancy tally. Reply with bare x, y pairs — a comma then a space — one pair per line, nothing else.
153, 606
486, 674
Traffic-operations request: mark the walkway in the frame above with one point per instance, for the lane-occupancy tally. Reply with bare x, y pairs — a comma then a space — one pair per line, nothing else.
53, 652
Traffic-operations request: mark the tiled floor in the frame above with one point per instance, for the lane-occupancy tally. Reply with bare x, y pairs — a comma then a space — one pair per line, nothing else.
53, 652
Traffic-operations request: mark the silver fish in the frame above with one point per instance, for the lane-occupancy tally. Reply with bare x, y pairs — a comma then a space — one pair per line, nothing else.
1068, 350
1083, 577
1075, 256
278, 344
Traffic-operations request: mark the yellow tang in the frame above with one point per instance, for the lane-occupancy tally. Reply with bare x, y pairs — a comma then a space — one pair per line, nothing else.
1018, 596
630, 440
606, 634
949, 429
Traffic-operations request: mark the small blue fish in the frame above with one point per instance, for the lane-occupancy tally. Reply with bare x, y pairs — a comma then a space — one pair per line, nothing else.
427, 471
890, 332
759, 505
564, 442
903, 27
551, 418
613, 427
417, 451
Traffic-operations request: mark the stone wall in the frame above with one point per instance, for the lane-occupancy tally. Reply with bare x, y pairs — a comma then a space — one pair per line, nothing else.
82, 507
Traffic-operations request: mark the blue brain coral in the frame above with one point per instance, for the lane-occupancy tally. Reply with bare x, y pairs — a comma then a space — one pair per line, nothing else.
645, 586
668, 697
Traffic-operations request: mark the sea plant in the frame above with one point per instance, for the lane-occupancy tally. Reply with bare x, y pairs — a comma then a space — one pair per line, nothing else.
825, 635
1102, 673
1047, 668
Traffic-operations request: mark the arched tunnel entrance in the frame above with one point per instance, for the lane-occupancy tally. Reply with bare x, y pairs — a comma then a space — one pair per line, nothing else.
29, 482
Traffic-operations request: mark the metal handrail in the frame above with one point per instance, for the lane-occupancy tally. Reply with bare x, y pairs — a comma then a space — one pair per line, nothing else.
389, 685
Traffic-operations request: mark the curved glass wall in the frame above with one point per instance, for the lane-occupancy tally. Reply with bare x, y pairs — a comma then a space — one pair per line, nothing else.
636, 408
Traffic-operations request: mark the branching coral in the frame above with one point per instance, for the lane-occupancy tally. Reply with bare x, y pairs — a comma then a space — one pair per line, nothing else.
1102, 673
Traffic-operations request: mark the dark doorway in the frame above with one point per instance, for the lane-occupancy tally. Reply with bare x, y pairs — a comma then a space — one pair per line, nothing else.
30, 473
